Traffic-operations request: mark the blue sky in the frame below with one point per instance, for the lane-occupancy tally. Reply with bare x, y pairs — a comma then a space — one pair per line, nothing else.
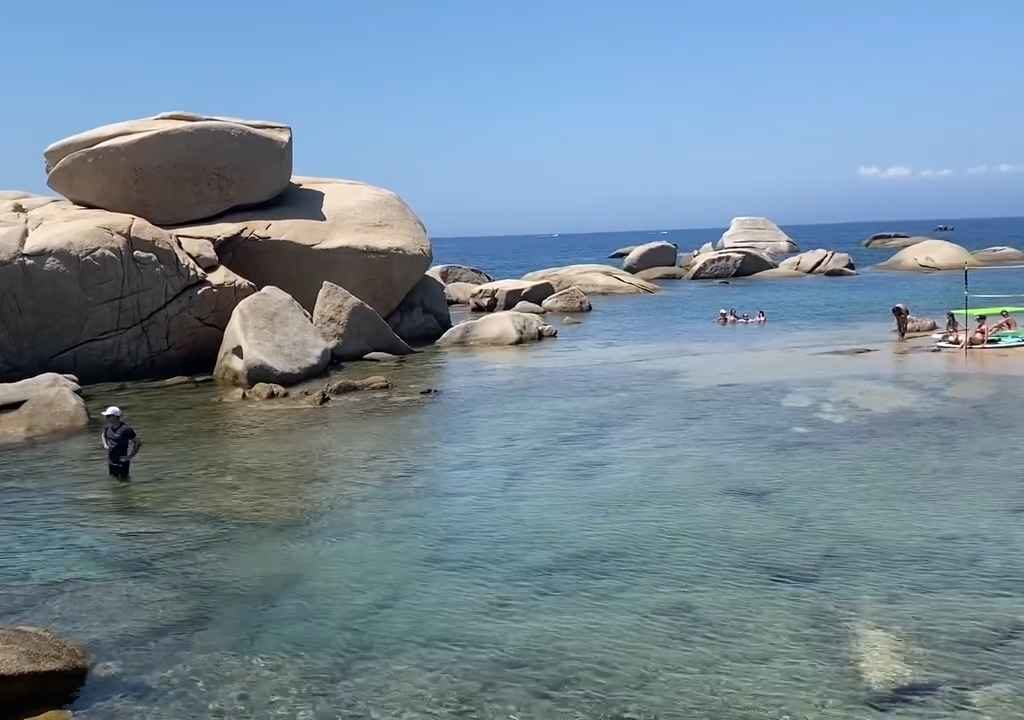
563, 116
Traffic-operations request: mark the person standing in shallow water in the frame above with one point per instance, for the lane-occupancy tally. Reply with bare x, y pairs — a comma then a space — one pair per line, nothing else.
902, 314
121, 443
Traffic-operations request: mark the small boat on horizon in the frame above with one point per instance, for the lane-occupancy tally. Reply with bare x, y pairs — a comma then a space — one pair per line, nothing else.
943, 228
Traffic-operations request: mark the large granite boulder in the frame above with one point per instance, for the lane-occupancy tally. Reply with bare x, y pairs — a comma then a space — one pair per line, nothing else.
570, 300
351, 327
38, 670
724, 264
449, 274
649, 255
41, 406
422, 316
504, 294
998, 255
174, 167
818, 262
892, 241
930, 255
593, 279
271, 339
758, 233
105, 296
360, 237
500, 328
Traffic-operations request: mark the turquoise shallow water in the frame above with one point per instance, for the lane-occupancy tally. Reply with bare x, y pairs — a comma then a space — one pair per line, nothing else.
647, 517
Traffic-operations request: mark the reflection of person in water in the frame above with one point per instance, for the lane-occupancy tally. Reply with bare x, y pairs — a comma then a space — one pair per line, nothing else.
902, 314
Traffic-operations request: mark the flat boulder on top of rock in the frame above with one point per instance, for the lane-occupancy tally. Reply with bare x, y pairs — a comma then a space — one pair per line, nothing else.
622, 251
449, 274
422, 316
818, 262
174, 167
649, 255
594, 279
722, 264
363, 238
500, 328
892, 241
106, 296
458, 293
998, 255
504, 294
570, 300
38, 670
270, 339
758, 233
351, 327
930, 255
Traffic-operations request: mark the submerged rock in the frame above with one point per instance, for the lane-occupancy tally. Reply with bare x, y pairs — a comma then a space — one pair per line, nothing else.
118, 297
265, 391
570, 300
758, 233
351, 327
500, 328
650, 255
448, 274
174, 167
729, 263
345, 386
423, 315
504, 294
594, 279
270, 339
38, 670
359, 237
930, 255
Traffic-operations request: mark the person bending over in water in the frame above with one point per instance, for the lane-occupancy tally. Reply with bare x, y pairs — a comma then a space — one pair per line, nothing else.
1007, 323
761, 317
952, 334
902, 314
981, 333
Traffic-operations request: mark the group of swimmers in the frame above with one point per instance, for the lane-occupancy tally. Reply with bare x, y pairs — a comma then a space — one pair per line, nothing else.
730, 317
981, 333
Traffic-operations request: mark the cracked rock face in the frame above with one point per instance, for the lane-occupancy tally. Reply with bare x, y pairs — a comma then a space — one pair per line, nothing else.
104, 295
360, 237
174, 167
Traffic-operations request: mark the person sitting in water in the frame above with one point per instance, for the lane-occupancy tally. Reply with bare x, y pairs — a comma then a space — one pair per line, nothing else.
746, 319
723, 317
902, 314
761, 317
981, 333
733, 317
952, 334
1007, 323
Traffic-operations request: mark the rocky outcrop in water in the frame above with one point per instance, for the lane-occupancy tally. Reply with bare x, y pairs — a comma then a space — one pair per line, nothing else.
929, 256
663, 273
528, 307
458, 293
758, 233
104, 296
998, 255
622, 252
41, 406
892, 241
422, 316
723, 264
504, 294
570, 300
38, 670
448, 274
650, 255
819, 262
593, 279
351, 327
270, 339
362, 238
500, 328
174, 167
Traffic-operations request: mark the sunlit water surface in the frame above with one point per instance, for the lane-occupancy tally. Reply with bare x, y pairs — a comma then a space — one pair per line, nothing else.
647, 517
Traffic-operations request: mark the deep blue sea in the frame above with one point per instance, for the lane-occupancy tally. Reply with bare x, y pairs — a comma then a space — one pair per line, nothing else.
649, 516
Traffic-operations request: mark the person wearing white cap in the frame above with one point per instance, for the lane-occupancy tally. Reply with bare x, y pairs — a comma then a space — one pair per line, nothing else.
120, 442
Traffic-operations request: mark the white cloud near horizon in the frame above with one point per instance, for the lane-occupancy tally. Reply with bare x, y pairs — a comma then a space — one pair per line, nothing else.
893, 171
944, 172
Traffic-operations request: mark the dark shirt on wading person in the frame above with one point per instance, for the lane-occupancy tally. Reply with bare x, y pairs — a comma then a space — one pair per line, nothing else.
118, 439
